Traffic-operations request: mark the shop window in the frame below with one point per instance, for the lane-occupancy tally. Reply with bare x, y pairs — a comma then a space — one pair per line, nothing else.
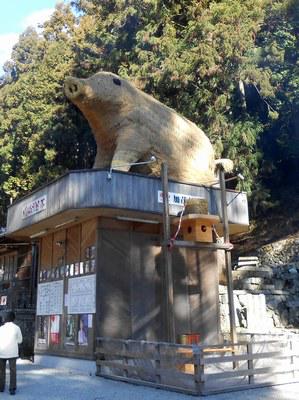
7, 267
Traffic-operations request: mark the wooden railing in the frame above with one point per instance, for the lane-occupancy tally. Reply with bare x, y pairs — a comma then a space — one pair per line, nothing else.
197, 369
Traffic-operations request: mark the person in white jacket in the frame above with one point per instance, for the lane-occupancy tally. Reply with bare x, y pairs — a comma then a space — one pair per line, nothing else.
10, 338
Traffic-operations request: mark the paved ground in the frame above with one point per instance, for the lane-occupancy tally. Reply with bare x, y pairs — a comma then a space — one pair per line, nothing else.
36, 382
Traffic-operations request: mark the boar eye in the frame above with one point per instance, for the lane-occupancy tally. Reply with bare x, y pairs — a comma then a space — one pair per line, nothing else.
116, 81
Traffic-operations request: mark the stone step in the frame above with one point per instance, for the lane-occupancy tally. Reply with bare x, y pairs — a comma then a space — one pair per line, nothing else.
247, 262
252, 273
253, 268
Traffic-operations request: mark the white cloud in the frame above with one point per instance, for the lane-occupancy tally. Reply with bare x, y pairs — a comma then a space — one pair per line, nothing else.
37, 17
7, 41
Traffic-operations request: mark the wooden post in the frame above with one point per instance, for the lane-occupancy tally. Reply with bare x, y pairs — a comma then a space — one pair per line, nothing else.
34, 273
98, 357
229, 276
292, 358
125, 358
158, 363
167, 256
250, 363
198, 369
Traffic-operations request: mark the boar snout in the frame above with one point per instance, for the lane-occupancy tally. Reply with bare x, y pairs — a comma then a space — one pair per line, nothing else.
73, 87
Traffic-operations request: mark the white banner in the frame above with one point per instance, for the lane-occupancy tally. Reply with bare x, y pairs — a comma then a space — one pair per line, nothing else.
50, 298
82, 295
176, 199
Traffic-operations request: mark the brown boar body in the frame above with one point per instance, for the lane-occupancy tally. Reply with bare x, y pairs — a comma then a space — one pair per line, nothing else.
130, 126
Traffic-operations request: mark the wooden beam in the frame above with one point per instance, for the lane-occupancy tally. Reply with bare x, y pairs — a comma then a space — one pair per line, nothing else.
199, 245
229, 276
167, 255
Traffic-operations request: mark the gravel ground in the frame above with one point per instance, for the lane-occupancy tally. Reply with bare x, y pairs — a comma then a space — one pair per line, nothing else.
36, 382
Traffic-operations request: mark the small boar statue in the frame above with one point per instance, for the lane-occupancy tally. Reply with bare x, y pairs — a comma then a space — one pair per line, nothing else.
130, 126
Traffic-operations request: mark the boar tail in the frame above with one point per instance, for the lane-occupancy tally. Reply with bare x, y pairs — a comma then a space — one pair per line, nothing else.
225, 163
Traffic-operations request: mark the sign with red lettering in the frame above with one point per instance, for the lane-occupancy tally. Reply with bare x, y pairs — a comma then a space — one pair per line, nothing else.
34, 207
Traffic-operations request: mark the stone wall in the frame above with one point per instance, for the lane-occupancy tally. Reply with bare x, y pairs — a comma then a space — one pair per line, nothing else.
281, 252
266, 296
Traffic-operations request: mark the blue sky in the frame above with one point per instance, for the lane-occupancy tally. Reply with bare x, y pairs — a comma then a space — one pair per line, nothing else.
16, 16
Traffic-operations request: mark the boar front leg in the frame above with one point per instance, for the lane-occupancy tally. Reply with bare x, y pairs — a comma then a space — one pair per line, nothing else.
129, 149
103, 159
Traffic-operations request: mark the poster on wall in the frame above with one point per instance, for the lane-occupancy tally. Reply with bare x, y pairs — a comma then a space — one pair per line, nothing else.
54, 329
50, 298
83, 330
70, 330
82, 295
42, 332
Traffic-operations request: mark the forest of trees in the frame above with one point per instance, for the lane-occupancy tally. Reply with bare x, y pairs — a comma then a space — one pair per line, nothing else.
230, 66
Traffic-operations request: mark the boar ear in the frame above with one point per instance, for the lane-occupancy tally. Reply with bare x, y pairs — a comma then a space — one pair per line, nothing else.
117, 81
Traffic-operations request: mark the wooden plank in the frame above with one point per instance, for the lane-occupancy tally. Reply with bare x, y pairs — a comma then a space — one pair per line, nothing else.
292, 357
158, 363
180, 358
250, 365
46, 251
218, 350
246, 372
254, 356
189, 348
199, 371
149, 342
125, 360
179, 352
192, 346
73, 244
209, 296
174, 373
59, 248
167, 258
146, 316
119, 365
114, 284
201, 245
238, 387
150, 384
88, 235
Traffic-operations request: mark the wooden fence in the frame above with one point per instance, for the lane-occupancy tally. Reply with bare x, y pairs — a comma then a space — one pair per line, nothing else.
198, 369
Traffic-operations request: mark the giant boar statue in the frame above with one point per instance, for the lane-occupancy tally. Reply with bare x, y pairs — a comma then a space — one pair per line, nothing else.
130, 126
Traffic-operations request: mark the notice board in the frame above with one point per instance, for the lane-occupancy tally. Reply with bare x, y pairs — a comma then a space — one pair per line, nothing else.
82, 295
50, 298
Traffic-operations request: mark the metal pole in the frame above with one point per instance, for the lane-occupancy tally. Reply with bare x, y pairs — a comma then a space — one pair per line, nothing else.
167, 256
228, 265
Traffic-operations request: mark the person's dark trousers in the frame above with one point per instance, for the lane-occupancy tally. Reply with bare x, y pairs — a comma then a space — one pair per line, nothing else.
13, 374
